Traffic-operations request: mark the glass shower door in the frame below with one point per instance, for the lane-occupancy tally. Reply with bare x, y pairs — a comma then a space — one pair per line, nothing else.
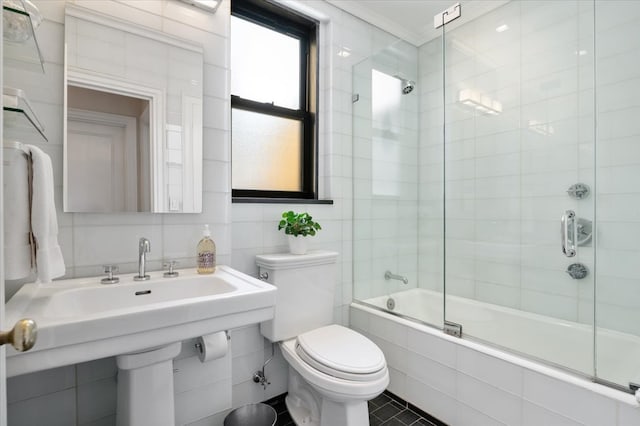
617, 53
518, 179
385, 178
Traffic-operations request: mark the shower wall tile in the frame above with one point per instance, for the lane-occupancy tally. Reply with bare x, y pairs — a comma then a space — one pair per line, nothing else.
552, 305
497, 294
617, 317
462, 287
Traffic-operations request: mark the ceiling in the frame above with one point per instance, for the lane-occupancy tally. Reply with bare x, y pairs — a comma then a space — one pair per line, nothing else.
412, 20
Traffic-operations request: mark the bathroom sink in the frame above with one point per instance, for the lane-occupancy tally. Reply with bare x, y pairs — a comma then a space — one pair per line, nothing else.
98, 299
82, 319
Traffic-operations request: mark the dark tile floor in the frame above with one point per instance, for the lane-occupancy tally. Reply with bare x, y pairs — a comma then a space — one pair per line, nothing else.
384, 410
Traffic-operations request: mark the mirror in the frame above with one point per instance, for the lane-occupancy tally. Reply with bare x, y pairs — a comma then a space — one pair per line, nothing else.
133, 118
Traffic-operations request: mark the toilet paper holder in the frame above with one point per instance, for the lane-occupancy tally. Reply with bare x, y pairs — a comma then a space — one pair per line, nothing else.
198, 345
202, 351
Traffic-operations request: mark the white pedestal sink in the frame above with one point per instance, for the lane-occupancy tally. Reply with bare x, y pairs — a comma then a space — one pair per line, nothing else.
141, 323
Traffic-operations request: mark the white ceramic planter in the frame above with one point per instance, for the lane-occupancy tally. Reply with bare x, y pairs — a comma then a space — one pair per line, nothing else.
298, 245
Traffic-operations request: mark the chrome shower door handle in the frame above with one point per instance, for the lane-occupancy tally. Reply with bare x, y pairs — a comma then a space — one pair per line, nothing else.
568, 232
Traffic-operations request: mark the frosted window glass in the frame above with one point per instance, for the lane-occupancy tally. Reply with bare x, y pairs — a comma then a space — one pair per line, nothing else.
265, 64
266, 152
386, 93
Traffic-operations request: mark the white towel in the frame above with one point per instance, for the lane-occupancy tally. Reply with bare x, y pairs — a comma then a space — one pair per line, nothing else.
17, 248
44, 221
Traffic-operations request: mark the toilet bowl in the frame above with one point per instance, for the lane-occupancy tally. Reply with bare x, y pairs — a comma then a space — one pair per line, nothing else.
331, 385
333, 370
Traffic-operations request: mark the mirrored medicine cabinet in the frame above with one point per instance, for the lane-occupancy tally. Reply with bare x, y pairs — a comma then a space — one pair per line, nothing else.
133, 118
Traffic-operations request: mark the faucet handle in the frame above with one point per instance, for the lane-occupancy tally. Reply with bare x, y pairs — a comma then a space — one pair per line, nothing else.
170, 273
110, 270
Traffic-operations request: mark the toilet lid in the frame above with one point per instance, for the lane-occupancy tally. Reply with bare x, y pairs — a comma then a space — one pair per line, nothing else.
341, 352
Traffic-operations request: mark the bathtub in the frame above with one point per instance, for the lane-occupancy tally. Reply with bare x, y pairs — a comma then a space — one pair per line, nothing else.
524, 349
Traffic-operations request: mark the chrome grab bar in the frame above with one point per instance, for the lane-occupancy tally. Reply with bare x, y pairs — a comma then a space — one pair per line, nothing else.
389, 276
568, 233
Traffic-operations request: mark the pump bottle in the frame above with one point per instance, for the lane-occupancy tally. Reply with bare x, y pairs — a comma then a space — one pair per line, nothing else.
206, 253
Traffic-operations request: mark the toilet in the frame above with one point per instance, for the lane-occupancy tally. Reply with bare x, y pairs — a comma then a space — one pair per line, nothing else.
333, 370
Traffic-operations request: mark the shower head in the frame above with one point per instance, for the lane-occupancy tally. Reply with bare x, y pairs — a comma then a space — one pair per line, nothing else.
407, 86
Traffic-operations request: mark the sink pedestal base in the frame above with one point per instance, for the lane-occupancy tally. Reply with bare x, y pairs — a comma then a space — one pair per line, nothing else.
145, 387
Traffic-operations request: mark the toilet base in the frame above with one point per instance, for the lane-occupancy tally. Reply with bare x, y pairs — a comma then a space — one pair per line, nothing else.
308, 407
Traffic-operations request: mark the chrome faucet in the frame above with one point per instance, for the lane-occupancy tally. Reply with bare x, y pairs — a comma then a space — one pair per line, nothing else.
144, 247
389, 276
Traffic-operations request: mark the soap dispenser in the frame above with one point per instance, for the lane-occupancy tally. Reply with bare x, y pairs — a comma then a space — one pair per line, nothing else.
206, 253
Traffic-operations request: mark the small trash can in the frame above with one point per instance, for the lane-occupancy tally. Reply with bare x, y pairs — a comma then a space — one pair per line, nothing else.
252, 414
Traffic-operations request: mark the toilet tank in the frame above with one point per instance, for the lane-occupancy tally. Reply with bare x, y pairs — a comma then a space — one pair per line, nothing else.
306, 285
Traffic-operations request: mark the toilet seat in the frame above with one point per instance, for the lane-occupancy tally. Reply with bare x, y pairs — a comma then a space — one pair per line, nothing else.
341, 352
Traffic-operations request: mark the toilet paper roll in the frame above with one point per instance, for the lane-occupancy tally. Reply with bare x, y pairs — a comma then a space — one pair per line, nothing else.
212, 346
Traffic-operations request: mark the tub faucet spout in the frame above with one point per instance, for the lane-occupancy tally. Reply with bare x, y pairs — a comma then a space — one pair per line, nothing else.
389, 276
144, 247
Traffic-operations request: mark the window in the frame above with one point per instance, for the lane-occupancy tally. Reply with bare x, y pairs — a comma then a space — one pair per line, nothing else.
273, 103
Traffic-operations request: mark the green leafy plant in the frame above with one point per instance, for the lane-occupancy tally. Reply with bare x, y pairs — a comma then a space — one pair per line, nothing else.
298, 224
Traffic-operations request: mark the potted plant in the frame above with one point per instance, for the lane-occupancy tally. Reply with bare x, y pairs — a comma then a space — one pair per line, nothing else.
297, 226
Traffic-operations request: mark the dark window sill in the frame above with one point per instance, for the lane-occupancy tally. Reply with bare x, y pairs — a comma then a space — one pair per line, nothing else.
256, 200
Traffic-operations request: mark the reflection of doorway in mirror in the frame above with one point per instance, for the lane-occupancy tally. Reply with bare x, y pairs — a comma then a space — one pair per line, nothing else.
107, 134
102, 149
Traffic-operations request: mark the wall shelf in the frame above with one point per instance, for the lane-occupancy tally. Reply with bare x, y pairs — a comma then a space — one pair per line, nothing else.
19, 119
21, 54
